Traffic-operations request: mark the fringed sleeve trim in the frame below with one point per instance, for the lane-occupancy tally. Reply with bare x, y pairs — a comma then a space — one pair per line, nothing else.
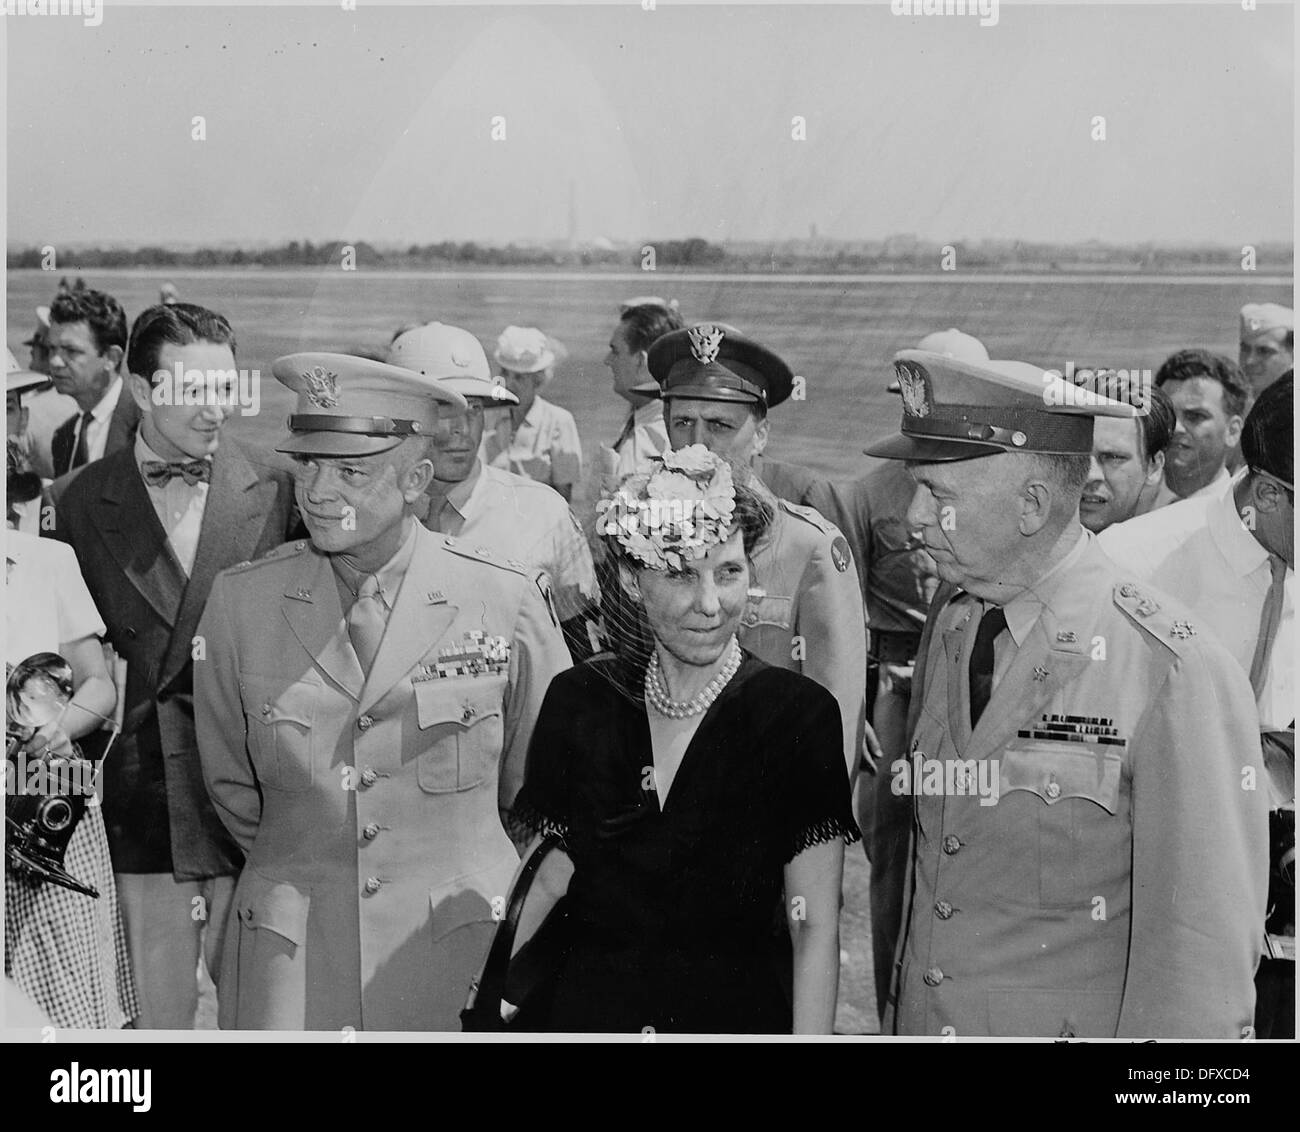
826, 830
526, 816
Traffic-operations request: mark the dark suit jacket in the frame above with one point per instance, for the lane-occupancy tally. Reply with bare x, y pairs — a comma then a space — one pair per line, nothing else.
121, 431
155, 805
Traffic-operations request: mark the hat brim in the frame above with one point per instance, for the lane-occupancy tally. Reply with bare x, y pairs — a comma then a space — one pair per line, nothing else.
929, 450
473, 390
22, 379
708, 393
547, 360
337, 444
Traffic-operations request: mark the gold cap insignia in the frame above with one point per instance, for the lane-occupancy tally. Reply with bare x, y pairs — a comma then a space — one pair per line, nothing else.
706, 341
322, 387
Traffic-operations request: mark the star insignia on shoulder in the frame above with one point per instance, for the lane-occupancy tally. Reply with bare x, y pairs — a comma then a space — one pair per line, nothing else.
1040, 674
1182, 630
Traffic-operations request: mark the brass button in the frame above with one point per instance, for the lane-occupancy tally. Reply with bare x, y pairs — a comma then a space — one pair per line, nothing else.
467, 714
933, 977
1053, 790
266, 709
951, 844
371, 831
373, 885
369, 777
365, 722
943, 909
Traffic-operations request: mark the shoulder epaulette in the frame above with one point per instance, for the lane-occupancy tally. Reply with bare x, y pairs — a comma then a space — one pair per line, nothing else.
284, 550
468, 549
1171, 627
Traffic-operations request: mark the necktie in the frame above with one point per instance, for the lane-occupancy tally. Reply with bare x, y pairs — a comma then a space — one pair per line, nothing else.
82, 453
158, 472
629, 427
981, 661
366, 621
1269, 619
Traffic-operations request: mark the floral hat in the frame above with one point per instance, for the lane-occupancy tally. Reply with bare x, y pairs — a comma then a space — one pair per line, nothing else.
674, 514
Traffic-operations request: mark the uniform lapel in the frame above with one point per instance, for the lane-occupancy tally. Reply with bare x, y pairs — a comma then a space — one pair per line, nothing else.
232, 526
1055, 653
419, 619
311, 607
135, 538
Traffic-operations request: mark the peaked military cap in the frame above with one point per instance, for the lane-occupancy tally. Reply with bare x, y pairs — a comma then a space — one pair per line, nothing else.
716, 362
955, 409
350, 406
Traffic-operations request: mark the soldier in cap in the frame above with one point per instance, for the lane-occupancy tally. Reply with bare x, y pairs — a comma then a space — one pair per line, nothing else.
1267, 343
1089, 844
898, 580
519, 518
364, 707
716, 384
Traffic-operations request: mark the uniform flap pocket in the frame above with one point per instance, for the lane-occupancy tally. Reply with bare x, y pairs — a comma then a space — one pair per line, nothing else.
276, 701
274, 905
1056, 771
465, 702
768, 611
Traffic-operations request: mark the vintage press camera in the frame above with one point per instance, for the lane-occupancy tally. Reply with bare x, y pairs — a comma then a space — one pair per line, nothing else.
40, 823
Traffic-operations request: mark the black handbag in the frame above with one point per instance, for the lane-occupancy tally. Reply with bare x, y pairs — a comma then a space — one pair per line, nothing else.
527, 981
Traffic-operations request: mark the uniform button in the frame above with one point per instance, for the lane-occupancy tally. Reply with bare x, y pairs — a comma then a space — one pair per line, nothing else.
467, 714
951, 844
266, 709
373, 885
364, 722
1053, 790
370, 832
943, 910
369, 777
932, 978
749, 620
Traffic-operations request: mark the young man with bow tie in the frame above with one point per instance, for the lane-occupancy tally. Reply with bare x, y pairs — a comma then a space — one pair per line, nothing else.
152, 524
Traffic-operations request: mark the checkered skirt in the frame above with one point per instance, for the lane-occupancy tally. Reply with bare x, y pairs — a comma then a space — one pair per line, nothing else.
68, 951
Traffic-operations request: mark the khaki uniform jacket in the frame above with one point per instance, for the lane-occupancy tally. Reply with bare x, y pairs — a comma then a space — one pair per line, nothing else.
1114, 889
368, 808
810, 617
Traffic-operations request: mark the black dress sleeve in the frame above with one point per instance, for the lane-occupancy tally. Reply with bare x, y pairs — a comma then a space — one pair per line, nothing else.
818, 804
542, 804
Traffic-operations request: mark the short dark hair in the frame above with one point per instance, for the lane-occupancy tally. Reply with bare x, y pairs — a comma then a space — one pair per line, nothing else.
1189, 364
643, 324
179, 324
1269, 433
1156, 423
98, 310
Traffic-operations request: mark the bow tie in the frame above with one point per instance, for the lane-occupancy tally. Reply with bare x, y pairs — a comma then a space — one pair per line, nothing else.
157, 472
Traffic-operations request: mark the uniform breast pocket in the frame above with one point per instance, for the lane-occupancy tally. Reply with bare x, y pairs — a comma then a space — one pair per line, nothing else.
279, 719
768, 612
461, 732
1081, 813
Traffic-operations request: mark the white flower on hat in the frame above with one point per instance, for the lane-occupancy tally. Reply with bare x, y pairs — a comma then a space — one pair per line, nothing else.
674, 514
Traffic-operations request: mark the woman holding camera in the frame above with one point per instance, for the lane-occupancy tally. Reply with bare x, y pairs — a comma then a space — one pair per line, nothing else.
702, 798
65, 950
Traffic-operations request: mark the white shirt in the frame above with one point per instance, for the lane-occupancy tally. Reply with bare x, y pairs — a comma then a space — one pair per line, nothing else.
1215, 488
528, 522
178, 505
101, 416
649, 439
545, 447
1205, 557
47, 604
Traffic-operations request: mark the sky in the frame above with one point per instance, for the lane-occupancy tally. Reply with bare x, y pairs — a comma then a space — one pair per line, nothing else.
377, 123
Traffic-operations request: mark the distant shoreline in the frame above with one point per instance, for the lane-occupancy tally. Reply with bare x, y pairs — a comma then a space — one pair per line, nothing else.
648, 281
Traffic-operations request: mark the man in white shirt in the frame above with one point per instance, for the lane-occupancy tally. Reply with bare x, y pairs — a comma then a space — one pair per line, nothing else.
1126, 477
644, 433
86, 342
1233, 562
1209, 397
482, 505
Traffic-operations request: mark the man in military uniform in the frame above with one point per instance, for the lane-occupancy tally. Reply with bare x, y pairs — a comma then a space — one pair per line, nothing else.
1090, 836
1267, 344
364, 706
716, 384
522, 520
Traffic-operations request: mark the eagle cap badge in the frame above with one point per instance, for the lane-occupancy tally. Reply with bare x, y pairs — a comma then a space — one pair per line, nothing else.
322, 387
914, 383
706, 341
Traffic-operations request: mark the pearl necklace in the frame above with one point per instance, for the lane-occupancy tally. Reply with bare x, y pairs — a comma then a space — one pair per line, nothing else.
656, 692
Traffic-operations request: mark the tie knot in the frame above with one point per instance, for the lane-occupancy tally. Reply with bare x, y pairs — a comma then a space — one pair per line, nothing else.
370, 587
158, 472
993, 621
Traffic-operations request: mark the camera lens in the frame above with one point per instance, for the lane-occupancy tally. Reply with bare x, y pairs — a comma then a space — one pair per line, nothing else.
55, 815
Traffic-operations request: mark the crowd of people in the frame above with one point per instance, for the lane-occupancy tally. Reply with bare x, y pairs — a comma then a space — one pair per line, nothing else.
351, 696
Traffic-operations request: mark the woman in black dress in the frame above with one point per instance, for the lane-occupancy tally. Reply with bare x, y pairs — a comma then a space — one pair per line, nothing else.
703, 799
